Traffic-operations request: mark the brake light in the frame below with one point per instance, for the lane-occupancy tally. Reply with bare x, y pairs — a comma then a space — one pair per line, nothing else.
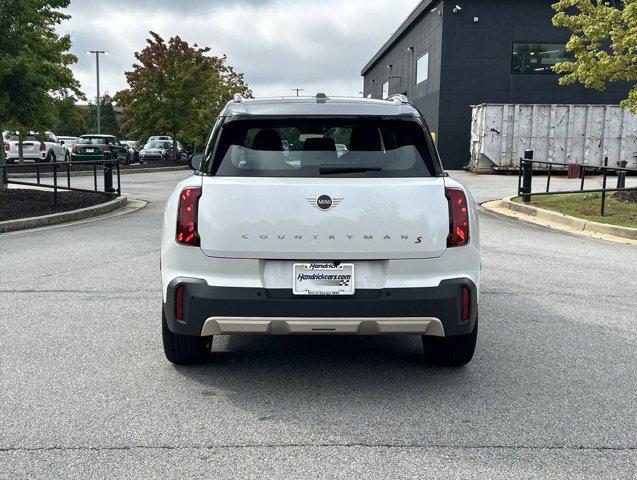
458, 218
465, 304
6, 147
187, 217
107, 148
74, 149
179, 303
42, 147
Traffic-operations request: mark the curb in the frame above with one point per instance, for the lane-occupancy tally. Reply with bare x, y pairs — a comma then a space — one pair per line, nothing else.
62, 217
90, 173
569, 221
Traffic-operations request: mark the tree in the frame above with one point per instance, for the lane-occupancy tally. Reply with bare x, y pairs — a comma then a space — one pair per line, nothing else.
603, 42
177, 89
34, 64
108, 119
69, 118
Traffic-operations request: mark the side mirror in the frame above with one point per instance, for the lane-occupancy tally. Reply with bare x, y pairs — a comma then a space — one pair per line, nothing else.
195, 161
61, 142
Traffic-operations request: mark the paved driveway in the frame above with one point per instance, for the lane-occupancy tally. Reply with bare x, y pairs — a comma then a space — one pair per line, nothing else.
85, 390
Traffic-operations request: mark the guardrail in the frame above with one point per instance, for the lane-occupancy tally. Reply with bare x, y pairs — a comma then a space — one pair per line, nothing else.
525, 179
62, 170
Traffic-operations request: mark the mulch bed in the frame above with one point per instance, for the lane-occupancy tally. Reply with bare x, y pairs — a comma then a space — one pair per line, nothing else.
628, 196
24, 203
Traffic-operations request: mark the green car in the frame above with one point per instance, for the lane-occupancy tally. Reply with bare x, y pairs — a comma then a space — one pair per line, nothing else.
99, 147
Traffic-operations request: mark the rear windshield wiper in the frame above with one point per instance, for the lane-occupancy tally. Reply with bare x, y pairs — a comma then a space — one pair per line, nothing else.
327, 169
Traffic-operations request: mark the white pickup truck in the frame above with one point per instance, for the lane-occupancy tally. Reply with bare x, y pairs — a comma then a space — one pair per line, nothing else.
374, 239
47, 149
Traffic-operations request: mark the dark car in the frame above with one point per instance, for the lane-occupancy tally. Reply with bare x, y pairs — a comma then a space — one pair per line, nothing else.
99, 147
133, 150
156, 150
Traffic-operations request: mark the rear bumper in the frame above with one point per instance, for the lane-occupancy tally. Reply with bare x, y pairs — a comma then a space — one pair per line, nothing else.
231, 310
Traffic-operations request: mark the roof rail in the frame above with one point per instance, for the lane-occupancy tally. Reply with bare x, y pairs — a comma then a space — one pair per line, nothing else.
238, 98
398, 97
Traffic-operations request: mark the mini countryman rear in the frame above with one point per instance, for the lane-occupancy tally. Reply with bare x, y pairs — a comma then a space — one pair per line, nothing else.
320, 216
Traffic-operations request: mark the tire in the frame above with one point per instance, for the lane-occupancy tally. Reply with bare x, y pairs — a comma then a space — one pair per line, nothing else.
453, 351
184, 349
50, 157
128, 162
67, 157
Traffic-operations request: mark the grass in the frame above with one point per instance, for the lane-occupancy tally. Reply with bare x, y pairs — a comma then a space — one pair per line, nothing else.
587, 206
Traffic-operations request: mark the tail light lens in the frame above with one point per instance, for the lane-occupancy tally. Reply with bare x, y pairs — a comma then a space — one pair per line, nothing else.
458, 218
74, 149
187, 217
6, 147
179, 303
42, 147
107, 148
465, 304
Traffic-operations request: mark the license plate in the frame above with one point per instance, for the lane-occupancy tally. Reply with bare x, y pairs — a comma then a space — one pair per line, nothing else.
89, 150
323, 278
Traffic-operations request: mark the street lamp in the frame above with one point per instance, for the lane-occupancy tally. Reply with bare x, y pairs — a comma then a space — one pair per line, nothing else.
99, 103
298, 90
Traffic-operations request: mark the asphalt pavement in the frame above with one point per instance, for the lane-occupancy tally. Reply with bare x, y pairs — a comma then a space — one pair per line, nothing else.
85, 390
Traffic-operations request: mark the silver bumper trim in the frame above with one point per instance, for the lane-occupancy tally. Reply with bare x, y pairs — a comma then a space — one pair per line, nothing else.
323, 325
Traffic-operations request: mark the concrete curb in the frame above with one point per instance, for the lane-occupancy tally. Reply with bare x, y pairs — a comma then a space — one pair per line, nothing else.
572, 222
62, 217
62, 174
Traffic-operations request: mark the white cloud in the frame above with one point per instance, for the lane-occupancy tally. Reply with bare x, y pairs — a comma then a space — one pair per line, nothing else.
278, 44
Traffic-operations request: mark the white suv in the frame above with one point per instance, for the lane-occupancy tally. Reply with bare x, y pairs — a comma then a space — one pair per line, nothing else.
376, 240
40, 148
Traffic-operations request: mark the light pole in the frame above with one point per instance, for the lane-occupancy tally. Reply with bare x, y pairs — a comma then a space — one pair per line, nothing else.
99, 103
298, 90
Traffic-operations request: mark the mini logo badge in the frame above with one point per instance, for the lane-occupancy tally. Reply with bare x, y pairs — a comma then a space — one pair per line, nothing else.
324, 202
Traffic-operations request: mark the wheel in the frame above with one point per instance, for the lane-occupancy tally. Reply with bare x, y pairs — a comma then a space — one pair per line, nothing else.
184, 349
451, 351
67, 157
50, 157
128, 162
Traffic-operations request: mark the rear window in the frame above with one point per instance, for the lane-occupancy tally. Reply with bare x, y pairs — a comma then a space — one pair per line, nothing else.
27, 138
95, 140
159, 145
317, 148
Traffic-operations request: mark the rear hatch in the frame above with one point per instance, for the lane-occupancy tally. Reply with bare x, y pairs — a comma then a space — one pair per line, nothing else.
269, 218
324, 189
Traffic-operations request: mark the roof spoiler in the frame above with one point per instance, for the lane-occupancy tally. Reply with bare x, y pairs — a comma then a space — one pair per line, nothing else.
398, 98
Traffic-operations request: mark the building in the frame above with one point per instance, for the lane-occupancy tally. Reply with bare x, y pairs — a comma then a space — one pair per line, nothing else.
449, 55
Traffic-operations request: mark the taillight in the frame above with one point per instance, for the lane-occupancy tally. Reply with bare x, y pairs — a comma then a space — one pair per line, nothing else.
42, 147
179, 303
74, 149
107, 148
458, 217
187, 217
465, 304
6, 147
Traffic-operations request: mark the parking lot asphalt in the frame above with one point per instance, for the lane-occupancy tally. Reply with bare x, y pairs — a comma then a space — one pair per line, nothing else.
85, 390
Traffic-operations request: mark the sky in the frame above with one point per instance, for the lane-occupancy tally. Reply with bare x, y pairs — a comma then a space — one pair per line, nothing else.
320, 46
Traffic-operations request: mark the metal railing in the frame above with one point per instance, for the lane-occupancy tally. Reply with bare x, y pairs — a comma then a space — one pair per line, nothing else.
525, 179
61, 174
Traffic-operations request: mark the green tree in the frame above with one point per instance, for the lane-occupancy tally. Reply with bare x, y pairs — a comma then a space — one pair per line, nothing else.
34, 64
108, 119
69, 118
177, 89
603, 42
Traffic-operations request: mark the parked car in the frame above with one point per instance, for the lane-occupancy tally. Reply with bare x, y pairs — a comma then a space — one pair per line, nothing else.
376, 241
36, 147
155, 150
99, 147
133, 150
68, 142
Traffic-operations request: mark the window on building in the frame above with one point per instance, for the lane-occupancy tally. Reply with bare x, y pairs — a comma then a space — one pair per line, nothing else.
386, 90
422, 68
538, 58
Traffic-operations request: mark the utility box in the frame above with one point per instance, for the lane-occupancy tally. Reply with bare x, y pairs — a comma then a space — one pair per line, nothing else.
582, 134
